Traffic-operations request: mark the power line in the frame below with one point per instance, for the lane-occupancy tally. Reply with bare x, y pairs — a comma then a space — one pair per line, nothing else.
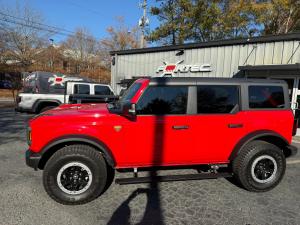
40, 26
80, 6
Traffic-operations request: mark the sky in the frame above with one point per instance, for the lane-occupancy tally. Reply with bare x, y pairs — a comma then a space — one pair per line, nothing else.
95, 15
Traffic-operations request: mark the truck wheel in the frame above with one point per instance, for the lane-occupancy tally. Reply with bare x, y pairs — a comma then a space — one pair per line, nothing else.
76, 174
259, 166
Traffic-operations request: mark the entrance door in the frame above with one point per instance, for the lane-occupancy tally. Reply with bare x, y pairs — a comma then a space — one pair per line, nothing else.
294, 93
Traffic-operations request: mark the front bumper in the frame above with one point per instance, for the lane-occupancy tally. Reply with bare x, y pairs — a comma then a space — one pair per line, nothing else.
292, 150
32, 159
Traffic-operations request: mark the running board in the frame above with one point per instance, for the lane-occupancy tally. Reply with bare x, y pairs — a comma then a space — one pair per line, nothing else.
181, 177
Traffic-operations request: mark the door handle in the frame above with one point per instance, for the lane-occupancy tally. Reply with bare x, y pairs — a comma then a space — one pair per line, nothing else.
235, 125
183, 127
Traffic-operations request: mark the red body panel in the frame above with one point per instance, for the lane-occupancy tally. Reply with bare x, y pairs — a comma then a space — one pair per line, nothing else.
151, 140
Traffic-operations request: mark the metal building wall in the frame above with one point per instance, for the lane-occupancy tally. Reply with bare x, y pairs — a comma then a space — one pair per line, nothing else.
223, 59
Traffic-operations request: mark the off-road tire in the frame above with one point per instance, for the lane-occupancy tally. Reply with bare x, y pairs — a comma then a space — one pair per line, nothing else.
242, 165
75, 153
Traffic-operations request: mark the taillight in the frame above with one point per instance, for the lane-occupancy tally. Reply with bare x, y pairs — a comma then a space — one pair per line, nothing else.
295, 126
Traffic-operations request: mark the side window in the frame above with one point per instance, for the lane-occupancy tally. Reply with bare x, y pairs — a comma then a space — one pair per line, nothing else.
102, 90
162, 100
217, 98
266, 97
82, 89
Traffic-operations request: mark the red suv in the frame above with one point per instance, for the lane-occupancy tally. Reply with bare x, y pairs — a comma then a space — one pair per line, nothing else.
221, 127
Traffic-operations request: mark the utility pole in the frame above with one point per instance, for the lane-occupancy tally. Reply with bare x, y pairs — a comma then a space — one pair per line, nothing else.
51, 54
143, 22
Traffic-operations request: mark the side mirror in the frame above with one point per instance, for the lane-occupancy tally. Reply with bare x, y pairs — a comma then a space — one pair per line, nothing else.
129, 110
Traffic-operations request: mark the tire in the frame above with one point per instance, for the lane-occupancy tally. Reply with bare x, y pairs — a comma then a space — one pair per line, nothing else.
46, 108
259, 166
71, 164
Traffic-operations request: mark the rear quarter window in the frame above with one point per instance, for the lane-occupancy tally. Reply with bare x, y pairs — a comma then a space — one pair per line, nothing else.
266, 97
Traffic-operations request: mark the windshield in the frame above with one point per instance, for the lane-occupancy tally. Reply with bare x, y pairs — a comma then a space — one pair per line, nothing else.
130, 92
127, 96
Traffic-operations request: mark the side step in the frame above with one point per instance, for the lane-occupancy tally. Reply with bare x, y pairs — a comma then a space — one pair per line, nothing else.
181, 177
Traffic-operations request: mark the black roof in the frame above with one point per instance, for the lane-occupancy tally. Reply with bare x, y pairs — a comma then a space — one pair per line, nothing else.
194, 80
240, 41
295, 66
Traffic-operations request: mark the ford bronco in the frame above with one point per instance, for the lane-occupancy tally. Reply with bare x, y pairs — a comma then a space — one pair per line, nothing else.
219, 127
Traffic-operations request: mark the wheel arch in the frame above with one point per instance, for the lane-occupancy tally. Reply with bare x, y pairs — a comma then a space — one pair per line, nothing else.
263, 135
57, 144
38, 103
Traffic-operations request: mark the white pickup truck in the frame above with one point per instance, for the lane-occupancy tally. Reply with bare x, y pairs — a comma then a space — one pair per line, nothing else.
43, 91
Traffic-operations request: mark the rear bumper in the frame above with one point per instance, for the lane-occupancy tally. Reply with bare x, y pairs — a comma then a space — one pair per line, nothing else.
32, 159
292, 150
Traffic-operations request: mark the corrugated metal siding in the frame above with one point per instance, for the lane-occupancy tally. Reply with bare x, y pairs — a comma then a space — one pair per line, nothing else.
223, 59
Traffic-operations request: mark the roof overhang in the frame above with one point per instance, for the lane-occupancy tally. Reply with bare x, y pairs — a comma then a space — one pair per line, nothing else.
284, 67
216, 43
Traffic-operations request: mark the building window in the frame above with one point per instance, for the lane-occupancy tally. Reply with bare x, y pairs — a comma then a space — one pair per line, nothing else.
217, 98
266, 97
162, 100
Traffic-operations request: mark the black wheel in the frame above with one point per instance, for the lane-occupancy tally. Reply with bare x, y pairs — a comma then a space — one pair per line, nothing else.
76, 174
259, 166
47, 108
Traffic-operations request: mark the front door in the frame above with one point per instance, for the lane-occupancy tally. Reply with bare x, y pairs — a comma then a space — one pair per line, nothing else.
159, 135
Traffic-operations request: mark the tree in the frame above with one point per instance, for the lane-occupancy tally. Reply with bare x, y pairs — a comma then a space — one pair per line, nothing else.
120, 37
278, 16
82, 48
206, 20
22, 35
176, 21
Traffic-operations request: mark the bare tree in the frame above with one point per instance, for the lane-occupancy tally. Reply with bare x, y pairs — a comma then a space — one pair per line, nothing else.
120, 37
23, 35
82, 48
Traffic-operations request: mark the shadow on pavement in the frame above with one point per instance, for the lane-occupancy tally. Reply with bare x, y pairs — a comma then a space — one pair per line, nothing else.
12, 125
153, 211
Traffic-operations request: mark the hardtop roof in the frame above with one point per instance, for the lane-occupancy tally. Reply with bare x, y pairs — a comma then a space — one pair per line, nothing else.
195, 80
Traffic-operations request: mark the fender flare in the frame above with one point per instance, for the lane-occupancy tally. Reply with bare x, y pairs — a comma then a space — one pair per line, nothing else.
252, 136
107, 154
40, 101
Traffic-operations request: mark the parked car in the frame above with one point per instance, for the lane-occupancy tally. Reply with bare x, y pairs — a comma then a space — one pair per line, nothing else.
44, 90
5, 84
221, 127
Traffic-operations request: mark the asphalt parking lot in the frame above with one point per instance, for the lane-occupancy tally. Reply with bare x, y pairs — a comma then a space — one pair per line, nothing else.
24, 201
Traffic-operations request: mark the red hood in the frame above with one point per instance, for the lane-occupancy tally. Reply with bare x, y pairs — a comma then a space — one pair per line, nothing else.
76, 109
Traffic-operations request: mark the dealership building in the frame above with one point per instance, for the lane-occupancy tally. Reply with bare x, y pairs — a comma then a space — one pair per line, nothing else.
271, 57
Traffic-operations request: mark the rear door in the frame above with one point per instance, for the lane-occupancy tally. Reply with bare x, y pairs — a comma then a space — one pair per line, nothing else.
217, 124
